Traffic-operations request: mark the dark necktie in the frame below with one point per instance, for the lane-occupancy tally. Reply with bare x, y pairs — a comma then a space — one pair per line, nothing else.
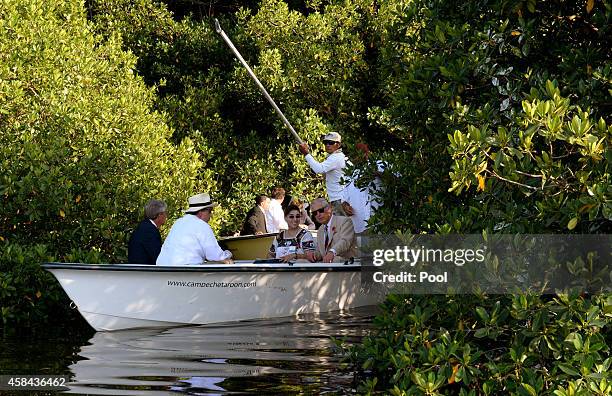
326, 238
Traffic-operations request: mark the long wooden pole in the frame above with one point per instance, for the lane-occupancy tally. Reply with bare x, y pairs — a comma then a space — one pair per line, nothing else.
254, 77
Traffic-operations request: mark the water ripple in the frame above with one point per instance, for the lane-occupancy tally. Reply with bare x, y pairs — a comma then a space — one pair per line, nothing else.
278, 356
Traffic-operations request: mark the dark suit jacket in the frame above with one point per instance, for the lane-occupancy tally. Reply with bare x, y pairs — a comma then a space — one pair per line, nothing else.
145, 244
255, 222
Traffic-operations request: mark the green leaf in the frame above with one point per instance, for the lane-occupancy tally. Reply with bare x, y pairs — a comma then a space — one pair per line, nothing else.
481, 333
529, 389
440, 34
482, 313
531, 5
551, 88
606, 210
567, 369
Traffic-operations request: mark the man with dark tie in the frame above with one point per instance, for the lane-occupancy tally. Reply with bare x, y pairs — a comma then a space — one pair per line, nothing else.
336, 236
145, 243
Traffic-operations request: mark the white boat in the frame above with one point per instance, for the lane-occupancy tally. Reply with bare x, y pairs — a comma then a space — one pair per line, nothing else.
123, 296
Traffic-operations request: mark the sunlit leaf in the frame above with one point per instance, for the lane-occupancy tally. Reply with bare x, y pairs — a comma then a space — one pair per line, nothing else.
451, 380
589, 5
481, 183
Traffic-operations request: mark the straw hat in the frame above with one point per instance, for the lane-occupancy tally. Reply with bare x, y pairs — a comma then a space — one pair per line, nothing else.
200, 201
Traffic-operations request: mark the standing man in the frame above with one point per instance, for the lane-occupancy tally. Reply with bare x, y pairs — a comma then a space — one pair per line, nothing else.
191, 241
255, 223
332, 168
336, 237
275, 216
360, 202
145, 242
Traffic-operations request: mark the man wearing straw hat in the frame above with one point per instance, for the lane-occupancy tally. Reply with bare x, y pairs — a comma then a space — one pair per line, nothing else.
191, 240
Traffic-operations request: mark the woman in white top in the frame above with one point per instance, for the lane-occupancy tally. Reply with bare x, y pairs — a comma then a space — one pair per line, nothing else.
295, 243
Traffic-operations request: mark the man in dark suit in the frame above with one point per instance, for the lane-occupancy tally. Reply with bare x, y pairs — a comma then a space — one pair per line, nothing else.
255, 223
145, 242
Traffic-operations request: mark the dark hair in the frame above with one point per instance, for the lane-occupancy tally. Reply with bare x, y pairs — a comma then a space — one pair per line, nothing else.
297, 202
260, 198
278, 193
291, 208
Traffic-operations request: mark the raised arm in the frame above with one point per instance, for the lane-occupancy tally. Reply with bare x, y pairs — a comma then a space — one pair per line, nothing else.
332, 162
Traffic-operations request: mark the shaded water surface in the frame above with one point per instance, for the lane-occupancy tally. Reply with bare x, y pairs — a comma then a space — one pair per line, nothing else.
281, 356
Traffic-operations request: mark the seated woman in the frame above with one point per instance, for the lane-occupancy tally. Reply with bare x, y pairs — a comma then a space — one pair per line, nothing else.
295, 243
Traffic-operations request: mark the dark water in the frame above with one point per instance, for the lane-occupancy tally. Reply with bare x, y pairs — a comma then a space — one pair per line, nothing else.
279, 356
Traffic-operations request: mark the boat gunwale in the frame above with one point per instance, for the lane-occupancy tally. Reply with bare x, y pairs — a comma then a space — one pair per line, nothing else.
246, 237
245, 266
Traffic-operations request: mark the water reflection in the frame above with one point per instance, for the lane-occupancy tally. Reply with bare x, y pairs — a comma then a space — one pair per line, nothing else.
269, 356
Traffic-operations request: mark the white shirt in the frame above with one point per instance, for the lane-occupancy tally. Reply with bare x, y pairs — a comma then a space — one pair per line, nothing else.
363, 201
190, 242
333, 168
275, 218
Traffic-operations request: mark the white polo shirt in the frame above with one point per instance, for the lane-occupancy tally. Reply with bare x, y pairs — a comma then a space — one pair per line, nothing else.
191, 241
333, 168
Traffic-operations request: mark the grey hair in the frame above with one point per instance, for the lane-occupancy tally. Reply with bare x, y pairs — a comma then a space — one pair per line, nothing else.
154, 208
320, 200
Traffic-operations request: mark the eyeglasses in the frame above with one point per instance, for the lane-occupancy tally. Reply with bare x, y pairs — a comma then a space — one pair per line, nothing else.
328, 143
293, 217
316, 212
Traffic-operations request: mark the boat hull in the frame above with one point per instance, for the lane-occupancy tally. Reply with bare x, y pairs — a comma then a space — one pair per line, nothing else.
114, 297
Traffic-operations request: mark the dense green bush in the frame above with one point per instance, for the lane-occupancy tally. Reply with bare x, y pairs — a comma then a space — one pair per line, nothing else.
554, 154
489, 345
80, 149
522, 92
448, 66
29, 295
